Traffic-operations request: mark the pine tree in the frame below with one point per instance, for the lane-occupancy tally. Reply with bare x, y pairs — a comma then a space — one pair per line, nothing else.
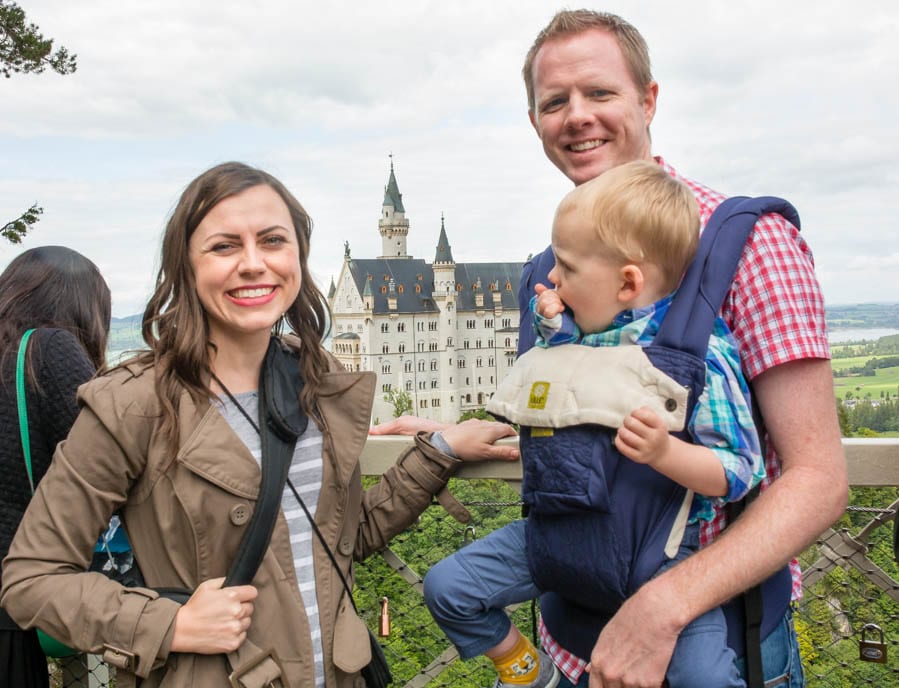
23, 49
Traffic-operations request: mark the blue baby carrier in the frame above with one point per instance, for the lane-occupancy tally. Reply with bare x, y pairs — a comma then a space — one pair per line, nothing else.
590, 552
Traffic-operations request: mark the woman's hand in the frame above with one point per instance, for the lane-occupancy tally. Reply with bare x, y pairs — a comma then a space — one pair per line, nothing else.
473, 440
215, 619
407, 425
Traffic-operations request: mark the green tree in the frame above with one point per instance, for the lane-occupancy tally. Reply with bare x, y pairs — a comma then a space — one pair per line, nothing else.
23, 49
400, 400
479, 413
15, 230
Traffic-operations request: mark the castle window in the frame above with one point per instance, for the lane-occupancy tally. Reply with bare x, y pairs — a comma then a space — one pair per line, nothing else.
458, 286
400, 288
418, 289
383, 290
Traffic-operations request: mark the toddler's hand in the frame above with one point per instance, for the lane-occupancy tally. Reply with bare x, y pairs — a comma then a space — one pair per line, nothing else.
643, 437
549, 305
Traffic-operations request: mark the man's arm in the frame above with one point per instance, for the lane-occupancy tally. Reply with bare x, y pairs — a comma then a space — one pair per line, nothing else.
636, 645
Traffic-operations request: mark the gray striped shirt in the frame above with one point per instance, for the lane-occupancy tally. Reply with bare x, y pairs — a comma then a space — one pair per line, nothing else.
306, 475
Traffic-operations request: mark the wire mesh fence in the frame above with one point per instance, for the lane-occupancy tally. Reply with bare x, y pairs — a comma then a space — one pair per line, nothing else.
843, 595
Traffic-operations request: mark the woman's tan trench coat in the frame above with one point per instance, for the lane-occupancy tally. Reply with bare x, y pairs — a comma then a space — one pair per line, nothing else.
185, 518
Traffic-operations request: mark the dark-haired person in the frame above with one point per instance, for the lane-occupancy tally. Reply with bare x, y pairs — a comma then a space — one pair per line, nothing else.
62, 296
168, 439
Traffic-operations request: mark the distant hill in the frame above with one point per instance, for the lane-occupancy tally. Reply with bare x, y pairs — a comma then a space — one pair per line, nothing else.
124, 334
863, 315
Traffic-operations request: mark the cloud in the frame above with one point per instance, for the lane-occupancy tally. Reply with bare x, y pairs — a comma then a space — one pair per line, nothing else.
763, 97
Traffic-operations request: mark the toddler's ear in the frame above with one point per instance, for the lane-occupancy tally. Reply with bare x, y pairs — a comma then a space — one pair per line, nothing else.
632, 283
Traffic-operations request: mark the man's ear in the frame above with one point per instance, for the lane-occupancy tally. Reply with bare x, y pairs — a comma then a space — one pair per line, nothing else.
632, 283
533, 118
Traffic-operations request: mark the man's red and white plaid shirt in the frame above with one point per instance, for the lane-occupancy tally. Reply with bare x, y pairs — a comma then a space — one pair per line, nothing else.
775, 310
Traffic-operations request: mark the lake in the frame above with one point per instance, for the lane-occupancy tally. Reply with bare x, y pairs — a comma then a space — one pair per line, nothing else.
855, 334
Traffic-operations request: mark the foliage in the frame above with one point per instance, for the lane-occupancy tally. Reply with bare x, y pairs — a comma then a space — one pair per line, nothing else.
867, 417
14, 231
24, 49
479, 413
400, 400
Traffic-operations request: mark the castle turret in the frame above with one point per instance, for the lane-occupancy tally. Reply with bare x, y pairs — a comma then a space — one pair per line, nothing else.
393, 225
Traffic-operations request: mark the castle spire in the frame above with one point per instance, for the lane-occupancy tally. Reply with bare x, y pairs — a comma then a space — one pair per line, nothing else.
444, 252
392, 195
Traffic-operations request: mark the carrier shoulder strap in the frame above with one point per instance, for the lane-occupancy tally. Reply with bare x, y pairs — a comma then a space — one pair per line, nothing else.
691, 317
688, 326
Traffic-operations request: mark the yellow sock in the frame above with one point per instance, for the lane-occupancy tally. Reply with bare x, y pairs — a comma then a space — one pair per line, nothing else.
520, 665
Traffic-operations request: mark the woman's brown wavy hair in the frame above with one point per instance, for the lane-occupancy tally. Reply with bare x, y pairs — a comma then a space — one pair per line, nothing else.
175, 326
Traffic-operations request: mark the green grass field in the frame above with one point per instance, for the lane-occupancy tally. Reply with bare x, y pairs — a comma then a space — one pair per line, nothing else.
885, 380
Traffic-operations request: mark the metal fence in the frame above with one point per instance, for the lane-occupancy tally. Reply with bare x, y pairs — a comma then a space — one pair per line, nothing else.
850, 590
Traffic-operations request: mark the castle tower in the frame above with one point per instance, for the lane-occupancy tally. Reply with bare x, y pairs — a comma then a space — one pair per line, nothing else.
393, 225
444, 293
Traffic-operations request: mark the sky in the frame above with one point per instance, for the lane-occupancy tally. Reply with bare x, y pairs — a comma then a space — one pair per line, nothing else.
796, 99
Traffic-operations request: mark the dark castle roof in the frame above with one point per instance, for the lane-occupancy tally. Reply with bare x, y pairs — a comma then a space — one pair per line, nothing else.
444, 252
407, 274
392, 195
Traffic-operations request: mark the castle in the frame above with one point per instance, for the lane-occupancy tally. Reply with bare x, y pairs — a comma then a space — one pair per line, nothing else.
445, 333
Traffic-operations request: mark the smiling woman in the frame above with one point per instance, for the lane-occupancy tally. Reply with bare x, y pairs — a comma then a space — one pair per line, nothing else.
245, 257
171, 439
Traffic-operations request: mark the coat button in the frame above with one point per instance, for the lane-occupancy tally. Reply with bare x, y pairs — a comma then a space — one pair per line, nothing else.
670, 405
240, 514
346, 547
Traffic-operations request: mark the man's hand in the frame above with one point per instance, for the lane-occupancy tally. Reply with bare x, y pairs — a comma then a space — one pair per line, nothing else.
635, 647
473, 440
214, 619
643, 437
548, 305
407, 425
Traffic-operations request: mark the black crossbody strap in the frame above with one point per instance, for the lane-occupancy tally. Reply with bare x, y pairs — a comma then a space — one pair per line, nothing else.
321, 539
284, 422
